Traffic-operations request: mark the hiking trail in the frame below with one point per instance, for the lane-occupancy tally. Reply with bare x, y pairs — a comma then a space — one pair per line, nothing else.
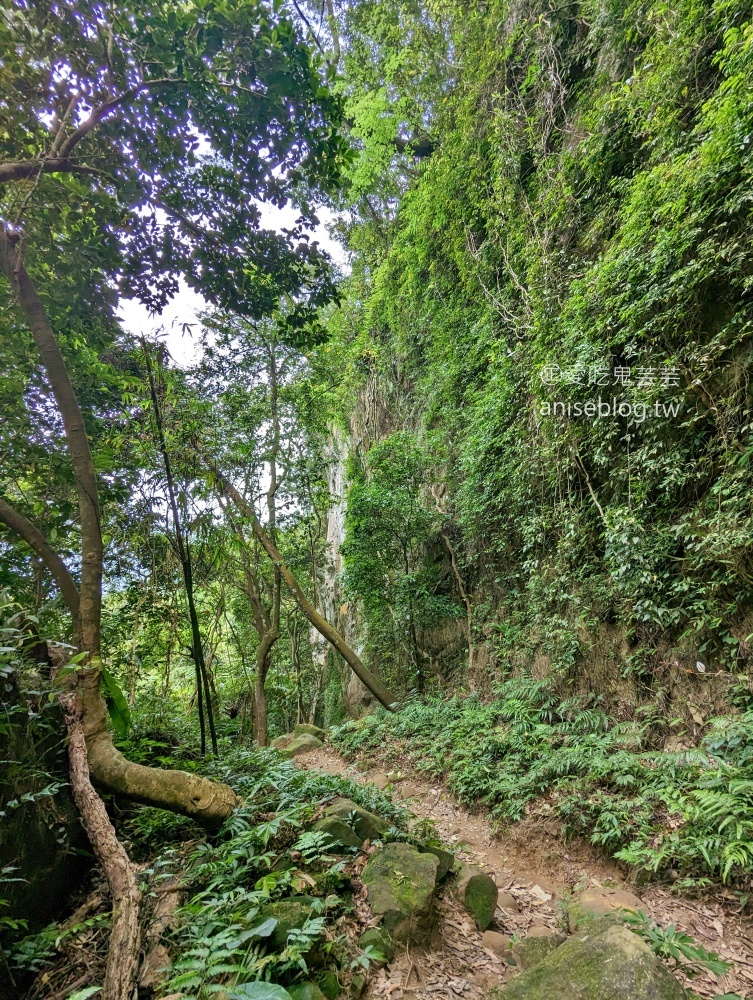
538, 869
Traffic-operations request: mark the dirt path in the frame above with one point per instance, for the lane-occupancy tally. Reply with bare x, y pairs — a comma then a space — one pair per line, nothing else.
538, 869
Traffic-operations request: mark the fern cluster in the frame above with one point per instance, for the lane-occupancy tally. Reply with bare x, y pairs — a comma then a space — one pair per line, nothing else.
266, 853
688, 812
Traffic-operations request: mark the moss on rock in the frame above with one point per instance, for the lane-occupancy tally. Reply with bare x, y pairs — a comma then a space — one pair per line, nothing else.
380, 940
446, 858
614, 964
305, 991
366, 824
329, 984
310, 729
300, 744
288, 913
339, 830
400, 884
535, 947
478, 893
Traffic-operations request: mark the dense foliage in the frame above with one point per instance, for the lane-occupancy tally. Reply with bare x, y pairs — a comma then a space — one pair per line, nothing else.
505, 450
577, 237
685, 814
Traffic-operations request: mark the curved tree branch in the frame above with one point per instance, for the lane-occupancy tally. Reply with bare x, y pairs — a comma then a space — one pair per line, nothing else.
60, 162
207, 801
319, 622
90, 594
36, 540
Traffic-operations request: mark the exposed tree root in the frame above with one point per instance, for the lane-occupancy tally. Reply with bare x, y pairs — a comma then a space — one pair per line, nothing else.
125, 936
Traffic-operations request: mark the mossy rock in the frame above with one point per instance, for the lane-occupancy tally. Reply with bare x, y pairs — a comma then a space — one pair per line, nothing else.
310, 729
305, 991
446, 858
329, 984
338, 829
478, 893
400, 883
301, 744
288, 913
379, 939
366, 824
592, 905
612, 965
535, 947
280, 742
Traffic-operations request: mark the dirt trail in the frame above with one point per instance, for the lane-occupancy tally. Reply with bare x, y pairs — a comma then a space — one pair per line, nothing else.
538, 869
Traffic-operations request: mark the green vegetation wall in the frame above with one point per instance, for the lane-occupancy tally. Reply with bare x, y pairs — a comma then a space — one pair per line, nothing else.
556, 305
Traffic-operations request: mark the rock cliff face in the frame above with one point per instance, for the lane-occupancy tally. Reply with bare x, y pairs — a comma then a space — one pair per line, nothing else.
577, 235
330, 597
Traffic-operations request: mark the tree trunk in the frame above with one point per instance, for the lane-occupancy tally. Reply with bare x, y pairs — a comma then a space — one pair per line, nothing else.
206, 801
125, 935
261, 734
320, 623
203, 693
134, 659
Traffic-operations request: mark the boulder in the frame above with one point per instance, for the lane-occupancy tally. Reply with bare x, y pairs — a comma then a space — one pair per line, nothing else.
400, 883
280, 742
329, 984
445, 858
310, 729
289, 913
301, 744
613, 964
478, 892
305, 991
496, 942
592, 904
380, 940
366, 824
339, 831
538, 944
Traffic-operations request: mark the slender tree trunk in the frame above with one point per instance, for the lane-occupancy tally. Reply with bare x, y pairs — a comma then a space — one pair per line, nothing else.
261, 733
204, 800
333, 31
184, 554
295, 655
320, 623
134, 660
272, 633
465, 599
125, 935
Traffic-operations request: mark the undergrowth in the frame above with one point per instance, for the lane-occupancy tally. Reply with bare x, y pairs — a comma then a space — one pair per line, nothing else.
685, 815
226, 937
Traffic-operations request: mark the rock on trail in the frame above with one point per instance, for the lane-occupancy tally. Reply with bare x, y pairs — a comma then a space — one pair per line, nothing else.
520, 951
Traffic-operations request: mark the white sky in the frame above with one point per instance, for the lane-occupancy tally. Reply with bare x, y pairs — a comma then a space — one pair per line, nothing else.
184, 307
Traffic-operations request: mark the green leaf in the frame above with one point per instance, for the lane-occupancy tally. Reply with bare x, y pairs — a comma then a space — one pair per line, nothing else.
117, 706
87, 991
264, 929
258, 991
